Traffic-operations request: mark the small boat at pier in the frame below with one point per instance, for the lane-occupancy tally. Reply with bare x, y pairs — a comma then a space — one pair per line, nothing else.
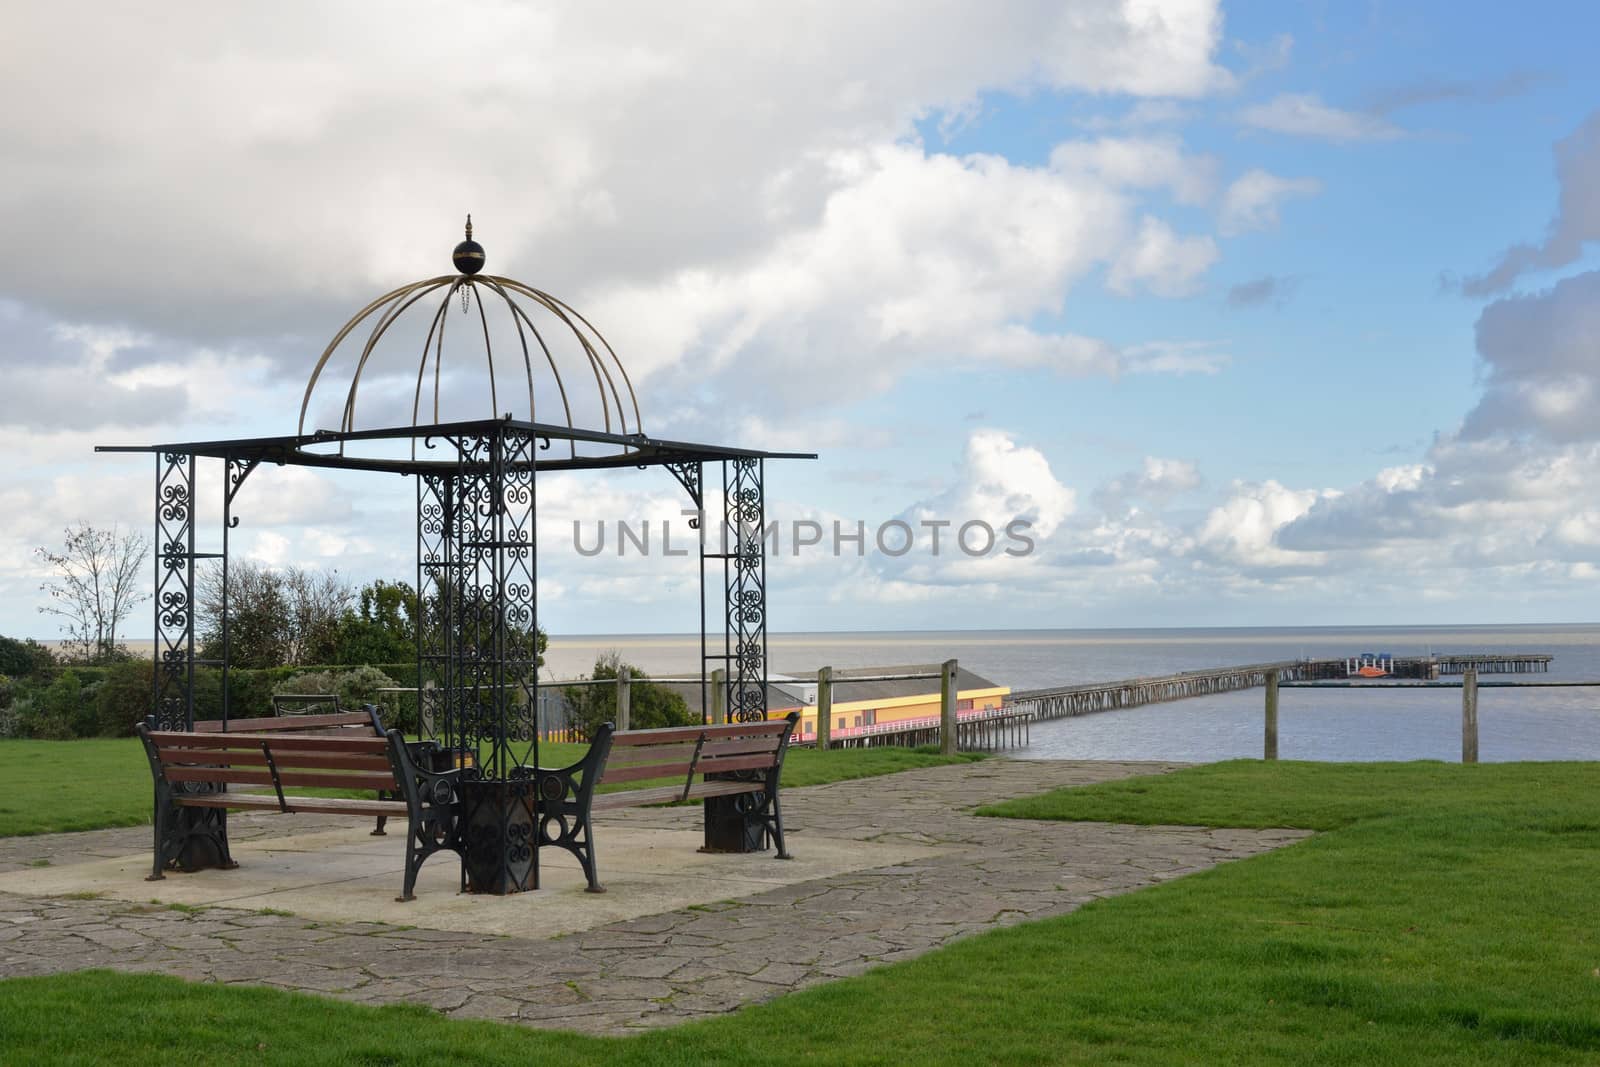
1370, 665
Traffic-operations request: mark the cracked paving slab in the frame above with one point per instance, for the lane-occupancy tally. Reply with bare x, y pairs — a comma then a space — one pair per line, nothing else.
889, 868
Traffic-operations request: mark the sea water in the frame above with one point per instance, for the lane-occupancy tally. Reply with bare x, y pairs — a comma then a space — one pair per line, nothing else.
1314, 724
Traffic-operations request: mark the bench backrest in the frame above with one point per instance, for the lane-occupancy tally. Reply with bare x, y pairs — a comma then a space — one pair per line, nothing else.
278, 760
684, 751
360, 722
302, 703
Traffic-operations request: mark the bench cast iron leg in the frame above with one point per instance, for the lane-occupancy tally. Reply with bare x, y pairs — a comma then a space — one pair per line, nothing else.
160, 827
776, 826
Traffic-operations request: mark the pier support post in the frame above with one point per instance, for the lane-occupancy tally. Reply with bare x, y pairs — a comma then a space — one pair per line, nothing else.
624, 699
1270, 742
1469, 716
824, 707
947, 708
719, 696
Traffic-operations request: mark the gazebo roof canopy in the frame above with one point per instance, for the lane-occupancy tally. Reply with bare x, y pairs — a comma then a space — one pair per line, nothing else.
554, 350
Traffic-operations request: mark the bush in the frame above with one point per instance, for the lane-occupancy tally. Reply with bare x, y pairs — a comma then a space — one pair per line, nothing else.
56, 712
353, 687
25, 659
124, 698
650, 706
8, 711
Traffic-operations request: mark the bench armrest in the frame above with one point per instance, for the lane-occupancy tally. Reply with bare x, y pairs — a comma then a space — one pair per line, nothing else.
420, 787
590, 768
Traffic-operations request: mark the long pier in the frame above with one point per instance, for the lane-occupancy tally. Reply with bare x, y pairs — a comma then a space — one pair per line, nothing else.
1066, 701
1494, 664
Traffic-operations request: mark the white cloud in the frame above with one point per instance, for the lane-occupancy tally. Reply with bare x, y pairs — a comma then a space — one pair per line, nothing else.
1156, 479
1162, 261
1175, 357
916, 260
1143, 114
1305, 115
1141, 163
1243, 529
1251, 201
588, 140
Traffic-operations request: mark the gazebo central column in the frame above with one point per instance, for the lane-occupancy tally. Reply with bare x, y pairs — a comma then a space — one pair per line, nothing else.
477, 646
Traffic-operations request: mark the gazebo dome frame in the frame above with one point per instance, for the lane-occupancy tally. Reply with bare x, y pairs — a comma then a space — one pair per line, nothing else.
477, 569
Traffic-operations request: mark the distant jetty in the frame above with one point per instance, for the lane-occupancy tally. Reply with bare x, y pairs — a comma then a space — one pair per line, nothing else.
1061, 702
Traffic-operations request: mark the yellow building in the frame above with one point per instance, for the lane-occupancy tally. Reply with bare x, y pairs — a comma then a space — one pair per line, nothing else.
859, 706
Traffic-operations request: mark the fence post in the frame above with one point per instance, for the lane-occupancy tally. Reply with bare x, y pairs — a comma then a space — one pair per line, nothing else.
824, 707
1270, 747
947, 708
624, 699
719, 695
1469, 716
425, 709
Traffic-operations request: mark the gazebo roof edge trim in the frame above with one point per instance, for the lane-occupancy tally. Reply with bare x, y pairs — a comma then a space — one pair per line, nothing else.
290, 449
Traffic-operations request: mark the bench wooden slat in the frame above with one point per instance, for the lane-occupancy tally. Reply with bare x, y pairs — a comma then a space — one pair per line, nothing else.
642, 772
717, 765
167, 740
299, 757
308, 805
654, 754
346, 761
666, 794
249, 776
676, 733
715, 788
767, 745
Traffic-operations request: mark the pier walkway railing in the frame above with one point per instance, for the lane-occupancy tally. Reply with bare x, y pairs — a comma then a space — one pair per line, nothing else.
1061, 702
1068, 700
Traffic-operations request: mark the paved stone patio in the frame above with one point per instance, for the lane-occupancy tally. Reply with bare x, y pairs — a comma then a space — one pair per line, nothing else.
676, 962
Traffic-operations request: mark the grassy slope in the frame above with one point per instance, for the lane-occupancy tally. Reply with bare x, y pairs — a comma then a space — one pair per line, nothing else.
56, 786
1447, 917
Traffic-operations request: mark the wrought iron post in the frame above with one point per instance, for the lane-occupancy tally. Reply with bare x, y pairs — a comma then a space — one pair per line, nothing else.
435, 516
477, 578
691, 475
745, 584
235, 470
190, 838
174, 600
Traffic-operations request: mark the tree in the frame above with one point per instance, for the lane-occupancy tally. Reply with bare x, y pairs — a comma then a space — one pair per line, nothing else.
276, 618
382, 628
98, 581
318, 601
650, 704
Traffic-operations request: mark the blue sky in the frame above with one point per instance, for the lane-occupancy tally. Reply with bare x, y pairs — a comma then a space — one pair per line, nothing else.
1193, 288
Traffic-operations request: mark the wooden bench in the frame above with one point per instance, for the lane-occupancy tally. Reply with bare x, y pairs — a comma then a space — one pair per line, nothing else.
733, 768
193, 771
304, 703
363, 723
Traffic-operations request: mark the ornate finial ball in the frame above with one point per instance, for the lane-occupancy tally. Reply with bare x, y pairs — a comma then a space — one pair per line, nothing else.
468, 255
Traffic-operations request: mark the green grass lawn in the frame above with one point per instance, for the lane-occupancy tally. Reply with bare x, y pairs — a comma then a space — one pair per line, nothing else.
1447, 914
55, 786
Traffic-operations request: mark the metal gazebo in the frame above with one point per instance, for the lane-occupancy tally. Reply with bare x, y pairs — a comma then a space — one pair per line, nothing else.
476, 551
